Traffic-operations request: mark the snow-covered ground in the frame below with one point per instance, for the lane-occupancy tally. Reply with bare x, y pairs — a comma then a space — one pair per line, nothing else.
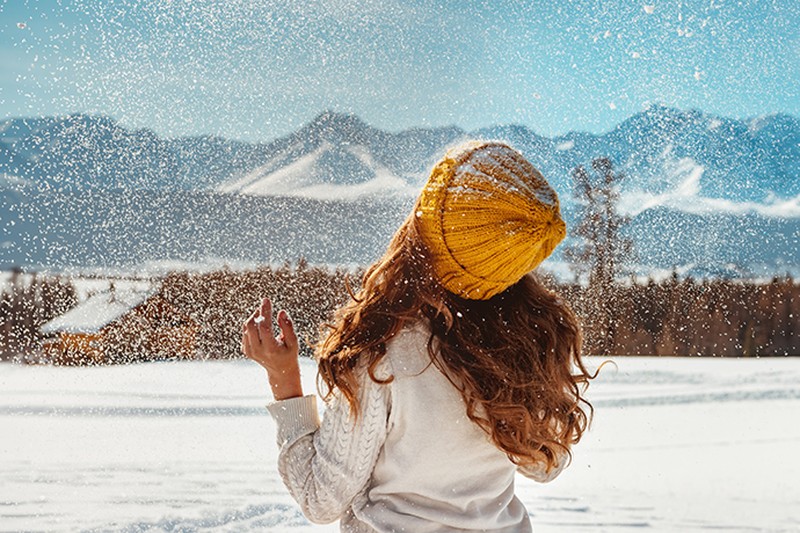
676, 445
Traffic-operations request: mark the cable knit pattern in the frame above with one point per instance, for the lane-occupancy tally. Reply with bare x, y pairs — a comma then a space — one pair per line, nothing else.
324, 466
412, 462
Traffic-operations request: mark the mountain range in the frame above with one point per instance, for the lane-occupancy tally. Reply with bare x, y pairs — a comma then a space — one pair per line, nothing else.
688, 177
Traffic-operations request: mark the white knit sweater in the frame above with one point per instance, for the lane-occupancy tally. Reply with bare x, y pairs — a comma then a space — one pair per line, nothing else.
413, 462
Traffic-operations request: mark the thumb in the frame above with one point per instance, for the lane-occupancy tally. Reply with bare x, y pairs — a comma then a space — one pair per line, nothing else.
287, 328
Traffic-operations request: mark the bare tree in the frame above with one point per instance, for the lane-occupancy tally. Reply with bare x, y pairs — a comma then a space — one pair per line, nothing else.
600, 249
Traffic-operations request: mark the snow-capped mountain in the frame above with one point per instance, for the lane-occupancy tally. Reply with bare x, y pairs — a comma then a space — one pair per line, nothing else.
683, 160
81, 152
704, 191
333, 157
338, 156
315, 175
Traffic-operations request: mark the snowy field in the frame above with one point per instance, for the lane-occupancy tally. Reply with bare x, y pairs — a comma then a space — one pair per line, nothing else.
677, 445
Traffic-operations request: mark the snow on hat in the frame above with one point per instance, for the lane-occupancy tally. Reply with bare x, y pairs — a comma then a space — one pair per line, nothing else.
488, 217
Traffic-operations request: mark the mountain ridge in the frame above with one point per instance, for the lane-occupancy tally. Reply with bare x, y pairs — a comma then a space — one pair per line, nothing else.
717, 194
737, 163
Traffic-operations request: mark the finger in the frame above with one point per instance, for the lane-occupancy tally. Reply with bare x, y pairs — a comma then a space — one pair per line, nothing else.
251, 328
248, 319
246, 345
287, 329
265, 326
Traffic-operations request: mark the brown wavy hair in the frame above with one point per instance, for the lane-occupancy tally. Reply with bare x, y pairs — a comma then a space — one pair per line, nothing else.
511, 357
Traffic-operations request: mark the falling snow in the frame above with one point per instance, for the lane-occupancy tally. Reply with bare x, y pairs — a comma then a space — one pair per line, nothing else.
163, 165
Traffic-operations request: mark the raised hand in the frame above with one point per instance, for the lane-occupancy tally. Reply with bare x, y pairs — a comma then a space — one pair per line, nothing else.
278, 355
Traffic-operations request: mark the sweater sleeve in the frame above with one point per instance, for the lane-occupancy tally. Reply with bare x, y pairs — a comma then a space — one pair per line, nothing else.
538, 473
326, 464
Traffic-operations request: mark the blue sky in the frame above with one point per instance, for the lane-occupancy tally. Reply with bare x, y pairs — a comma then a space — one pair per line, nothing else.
255, 70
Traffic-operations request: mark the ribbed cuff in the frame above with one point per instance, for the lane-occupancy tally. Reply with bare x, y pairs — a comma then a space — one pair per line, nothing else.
295, 417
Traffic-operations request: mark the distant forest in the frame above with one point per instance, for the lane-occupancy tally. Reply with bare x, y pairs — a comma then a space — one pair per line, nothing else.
680, 317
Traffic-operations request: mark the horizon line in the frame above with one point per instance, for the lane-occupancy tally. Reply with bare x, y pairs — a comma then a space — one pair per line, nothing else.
348, 114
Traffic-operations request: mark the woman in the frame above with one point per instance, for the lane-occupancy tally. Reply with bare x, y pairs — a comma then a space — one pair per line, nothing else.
449, 371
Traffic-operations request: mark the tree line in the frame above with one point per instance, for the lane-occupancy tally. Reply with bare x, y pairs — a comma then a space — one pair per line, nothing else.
673, 316
728, 318
27, 302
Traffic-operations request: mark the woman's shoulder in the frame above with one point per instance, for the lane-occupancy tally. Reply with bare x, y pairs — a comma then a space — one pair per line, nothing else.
407, 351
412, 332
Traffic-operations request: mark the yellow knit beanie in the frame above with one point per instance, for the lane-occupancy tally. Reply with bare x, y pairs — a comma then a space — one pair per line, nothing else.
488, 217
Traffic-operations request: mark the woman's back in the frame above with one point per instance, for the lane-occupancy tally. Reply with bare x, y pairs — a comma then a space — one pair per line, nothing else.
437, 471
419, 453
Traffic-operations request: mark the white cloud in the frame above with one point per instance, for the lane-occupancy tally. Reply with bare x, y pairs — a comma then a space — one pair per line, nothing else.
685, 196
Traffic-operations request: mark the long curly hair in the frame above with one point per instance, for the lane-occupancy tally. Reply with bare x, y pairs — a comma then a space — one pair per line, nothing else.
515, 358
